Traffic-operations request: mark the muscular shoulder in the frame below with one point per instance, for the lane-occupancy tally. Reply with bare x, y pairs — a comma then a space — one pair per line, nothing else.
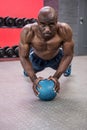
30, 27
65, 31
27, 32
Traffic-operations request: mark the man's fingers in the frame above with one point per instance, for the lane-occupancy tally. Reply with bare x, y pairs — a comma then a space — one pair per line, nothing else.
35, 90
36, 83
51, 78
57, 88
37, 80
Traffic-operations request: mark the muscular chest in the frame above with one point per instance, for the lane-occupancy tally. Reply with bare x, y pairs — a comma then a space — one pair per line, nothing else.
42, 45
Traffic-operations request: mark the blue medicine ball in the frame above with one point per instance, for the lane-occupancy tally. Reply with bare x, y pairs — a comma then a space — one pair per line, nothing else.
46, 90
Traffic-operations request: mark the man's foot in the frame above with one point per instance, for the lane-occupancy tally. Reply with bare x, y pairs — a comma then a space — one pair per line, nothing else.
68, 71
25, 74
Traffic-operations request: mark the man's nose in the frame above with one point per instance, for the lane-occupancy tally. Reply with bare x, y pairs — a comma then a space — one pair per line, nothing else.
47, 29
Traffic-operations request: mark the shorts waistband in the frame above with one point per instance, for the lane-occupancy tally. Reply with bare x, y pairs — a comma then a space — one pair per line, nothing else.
60, 52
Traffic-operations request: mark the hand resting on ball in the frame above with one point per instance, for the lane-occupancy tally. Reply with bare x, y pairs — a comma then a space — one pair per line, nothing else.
57, 84
35, 85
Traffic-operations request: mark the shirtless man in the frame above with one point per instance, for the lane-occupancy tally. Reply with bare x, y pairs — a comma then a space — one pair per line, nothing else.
40, 45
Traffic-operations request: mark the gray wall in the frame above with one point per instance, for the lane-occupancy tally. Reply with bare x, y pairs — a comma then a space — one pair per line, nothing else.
68, 12
52, 3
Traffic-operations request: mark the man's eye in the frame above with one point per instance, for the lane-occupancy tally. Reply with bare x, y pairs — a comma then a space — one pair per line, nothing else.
43, 25
51, 24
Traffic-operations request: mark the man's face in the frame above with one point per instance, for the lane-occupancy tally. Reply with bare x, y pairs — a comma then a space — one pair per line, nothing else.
48, 27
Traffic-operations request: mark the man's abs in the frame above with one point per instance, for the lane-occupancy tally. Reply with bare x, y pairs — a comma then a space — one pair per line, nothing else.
46, 54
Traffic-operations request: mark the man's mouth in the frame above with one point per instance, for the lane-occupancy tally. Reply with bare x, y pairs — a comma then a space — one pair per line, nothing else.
47, 34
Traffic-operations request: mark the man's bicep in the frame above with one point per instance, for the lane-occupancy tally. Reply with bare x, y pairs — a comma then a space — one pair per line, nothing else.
23, 50
23, 36
24, 45
68, 48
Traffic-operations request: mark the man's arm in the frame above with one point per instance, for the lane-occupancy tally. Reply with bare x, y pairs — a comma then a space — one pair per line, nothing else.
68, 49
24, 49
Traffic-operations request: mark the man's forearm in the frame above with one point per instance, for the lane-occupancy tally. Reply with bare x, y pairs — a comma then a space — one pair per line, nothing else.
63, 66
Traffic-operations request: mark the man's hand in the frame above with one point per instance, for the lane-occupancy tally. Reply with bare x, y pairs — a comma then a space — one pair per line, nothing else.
57, 84
35, 83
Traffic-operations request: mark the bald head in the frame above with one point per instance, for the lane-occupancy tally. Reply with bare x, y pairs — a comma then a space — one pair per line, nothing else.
47, 12
47, 22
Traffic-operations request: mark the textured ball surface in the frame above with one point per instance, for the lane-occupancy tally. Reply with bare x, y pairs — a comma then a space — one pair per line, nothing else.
46, 90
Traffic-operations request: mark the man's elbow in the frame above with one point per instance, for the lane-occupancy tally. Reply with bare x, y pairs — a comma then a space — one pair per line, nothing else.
23, 58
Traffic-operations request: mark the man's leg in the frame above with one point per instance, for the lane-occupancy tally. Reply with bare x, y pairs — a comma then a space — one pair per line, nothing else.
54, 63
25, 74
68, 70
38, 64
